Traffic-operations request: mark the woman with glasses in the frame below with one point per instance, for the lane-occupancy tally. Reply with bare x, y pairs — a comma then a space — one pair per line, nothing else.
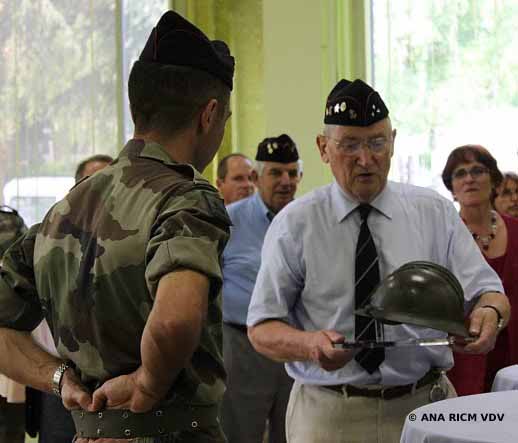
472, 176
506, 200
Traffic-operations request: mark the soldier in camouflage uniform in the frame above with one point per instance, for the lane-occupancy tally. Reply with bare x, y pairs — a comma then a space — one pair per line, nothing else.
126, 268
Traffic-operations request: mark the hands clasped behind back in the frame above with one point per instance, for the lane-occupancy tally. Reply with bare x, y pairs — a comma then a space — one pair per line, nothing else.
122, 392
322, 352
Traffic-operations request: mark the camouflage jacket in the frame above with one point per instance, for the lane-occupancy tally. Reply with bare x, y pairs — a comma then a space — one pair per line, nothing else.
11, 227
92, 267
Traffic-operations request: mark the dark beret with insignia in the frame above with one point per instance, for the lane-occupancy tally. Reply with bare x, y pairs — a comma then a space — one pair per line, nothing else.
281, 149
175, 41
354, 104
11, 227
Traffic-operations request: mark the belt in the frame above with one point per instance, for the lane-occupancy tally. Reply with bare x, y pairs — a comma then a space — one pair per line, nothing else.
122, 423
387, 393
238, 327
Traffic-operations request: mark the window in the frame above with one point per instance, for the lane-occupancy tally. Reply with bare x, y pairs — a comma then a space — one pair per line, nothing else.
447, 70
138, 18
63, 90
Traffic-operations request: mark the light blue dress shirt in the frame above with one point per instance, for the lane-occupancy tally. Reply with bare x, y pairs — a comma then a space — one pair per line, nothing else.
242, 255
307, 272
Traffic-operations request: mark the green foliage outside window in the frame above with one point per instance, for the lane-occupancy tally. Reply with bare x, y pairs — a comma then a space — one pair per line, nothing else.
448, 71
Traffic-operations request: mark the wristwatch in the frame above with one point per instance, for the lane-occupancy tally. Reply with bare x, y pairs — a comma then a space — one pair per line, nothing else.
500, 319
57, 378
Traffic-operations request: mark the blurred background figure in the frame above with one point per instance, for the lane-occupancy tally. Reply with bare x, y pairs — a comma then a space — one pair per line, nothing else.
89, 166
471, 174
12, 226
248, 409
12, 395
234, 178
506, 200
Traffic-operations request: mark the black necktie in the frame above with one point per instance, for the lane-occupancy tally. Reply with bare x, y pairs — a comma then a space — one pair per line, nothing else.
367, 277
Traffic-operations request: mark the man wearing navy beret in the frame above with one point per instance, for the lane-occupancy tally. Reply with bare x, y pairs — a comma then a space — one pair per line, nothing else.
326, 252
257, 388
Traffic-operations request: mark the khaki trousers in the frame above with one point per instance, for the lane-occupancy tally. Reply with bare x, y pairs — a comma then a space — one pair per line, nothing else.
319, 415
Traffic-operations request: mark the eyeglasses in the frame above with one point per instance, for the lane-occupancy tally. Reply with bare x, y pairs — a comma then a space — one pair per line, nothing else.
475, 172
377, 145
509, 192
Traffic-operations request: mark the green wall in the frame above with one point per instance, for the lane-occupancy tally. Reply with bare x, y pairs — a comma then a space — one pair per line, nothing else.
289, 54
292, 80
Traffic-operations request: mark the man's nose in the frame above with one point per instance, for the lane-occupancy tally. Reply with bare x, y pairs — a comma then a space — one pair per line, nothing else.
285, 178
364, 156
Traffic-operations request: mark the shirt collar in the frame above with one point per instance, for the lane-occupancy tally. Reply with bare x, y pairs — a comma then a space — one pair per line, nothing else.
262, 208
343, 204
155, 151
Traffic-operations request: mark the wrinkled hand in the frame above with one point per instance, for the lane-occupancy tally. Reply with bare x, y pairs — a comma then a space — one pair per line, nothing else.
124, 392
73, 394
483, 326
324, 354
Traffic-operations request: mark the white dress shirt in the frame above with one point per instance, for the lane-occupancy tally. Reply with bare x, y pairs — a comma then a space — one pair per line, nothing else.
307, 272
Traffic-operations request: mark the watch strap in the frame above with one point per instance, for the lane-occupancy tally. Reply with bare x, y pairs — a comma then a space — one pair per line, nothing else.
500, 319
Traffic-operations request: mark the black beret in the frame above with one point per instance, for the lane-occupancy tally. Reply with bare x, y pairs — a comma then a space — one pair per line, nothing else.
281, 149
175, 41
354, 104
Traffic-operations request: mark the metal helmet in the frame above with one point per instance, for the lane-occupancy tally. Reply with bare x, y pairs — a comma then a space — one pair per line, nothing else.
419, 293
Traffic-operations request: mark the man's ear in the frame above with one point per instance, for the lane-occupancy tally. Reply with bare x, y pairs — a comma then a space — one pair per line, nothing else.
322, 147
219, 182
209, 115
255, 177
394, 133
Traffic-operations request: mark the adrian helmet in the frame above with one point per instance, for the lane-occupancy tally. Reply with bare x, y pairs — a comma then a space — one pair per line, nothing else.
419, 293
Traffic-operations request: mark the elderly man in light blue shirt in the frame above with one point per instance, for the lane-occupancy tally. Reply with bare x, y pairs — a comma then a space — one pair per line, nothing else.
307, 288
257, 387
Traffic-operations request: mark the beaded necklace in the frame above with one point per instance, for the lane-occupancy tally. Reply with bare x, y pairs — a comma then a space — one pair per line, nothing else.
485, 239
